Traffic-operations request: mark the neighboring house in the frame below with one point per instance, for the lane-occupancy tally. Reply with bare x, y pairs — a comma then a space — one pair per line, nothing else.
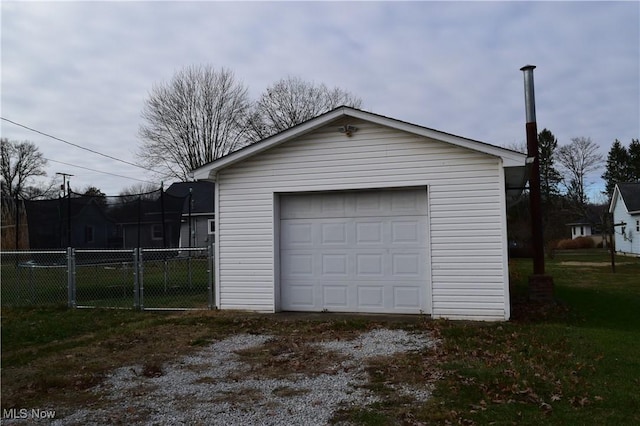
625, 207
151, 221
589, 225
357, 212
98, 223
199, 219
580, 228
49, 222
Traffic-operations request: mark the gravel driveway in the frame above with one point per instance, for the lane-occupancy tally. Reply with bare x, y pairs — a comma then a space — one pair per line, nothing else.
218, 386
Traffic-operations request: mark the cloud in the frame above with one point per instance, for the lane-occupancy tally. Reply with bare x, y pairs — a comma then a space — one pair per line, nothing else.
82, 70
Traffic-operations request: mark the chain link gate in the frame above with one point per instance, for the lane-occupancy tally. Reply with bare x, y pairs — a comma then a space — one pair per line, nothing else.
135, 278
171, 278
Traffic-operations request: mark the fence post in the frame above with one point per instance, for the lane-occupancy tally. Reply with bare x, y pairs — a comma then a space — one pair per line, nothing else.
71, 277
141, 279
32, 286
210, 274
136, 278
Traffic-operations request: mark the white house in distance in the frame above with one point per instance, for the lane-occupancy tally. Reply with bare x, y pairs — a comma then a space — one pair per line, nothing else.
581, 228
197, 226
625, 207
589, 225
357, 212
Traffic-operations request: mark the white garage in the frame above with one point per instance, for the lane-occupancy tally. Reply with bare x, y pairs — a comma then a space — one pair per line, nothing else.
356, 212
354, 251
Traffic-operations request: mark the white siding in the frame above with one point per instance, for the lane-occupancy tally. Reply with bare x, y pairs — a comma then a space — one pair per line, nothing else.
466, 212
630, 241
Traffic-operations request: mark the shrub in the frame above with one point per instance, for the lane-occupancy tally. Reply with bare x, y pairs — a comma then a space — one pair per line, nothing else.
576, 243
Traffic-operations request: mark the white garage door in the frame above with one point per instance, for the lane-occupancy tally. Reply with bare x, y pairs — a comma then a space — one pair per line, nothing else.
356, 251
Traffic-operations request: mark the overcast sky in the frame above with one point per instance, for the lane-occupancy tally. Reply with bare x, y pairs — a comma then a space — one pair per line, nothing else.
81, 71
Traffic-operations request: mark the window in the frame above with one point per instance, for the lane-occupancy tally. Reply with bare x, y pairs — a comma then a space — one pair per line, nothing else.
156, 231
638, 225
582, 230
211, 226
88, 234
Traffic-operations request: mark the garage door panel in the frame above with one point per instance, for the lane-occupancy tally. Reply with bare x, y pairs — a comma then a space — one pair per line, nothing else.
297, 234
300, 296
407, 264
299, 265
333, 205
358, 252
407, 231
406, 297
370, 296
334, 265
333, 233
370, 264
369, 233
335, 296
407, 201
368, 203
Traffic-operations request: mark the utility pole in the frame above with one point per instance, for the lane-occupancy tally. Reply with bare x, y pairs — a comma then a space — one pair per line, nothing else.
64, 182
66, 190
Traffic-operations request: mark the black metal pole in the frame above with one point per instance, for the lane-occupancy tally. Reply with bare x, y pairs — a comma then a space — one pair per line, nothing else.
190, 197
17, 222
164, 238
68, 215
139, 218
611, 231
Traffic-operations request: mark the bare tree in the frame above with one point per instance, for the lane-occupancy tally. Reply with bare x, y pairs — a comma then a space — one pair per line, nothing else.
291, 101
578, 159
138, 188
195, 118
20, 163
146, 191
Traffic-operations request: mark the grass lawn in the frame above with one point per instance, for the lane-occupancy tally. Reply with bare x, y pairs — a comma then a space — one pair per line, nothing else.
573, 362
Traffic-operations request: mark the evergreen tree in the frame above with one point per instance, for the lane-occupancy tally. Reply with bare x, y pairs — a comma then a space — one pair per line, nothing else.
634, 160
618, 167
550, 178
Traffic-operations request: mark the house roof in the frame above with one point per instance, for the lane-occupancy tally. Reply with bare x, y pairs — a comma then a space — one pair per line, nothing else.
592, 216
201, 195
630, 194
511, 159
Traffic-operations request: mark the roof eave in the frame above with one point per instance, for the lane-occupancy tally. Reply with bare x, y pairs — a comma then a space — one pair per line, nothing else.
208, 171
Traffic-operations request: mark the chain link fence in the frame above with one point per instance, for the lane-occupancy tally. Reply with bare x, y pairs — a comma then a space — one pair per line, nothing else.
132, 278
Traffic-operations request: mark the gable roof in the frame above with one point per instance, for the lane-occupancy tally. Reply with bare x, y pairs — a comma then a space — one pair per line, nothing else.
592, 216
201, 195
630, 194
510, 158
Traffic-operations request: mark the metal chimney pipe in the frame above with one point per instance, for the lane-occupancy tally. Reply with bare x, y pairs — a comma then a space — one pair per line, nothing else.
529, 96
540, 285
534, 179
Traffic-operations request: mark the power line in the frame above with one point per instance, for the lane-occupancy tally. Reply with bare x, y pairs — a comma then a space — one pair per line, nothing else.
76, 145
97, 171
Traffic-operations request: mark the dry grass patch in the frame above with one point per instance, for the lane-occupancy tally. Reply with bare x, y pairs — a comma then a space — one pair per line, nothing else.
243, 396
206, 380
287, 391
286, 356
60, 373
